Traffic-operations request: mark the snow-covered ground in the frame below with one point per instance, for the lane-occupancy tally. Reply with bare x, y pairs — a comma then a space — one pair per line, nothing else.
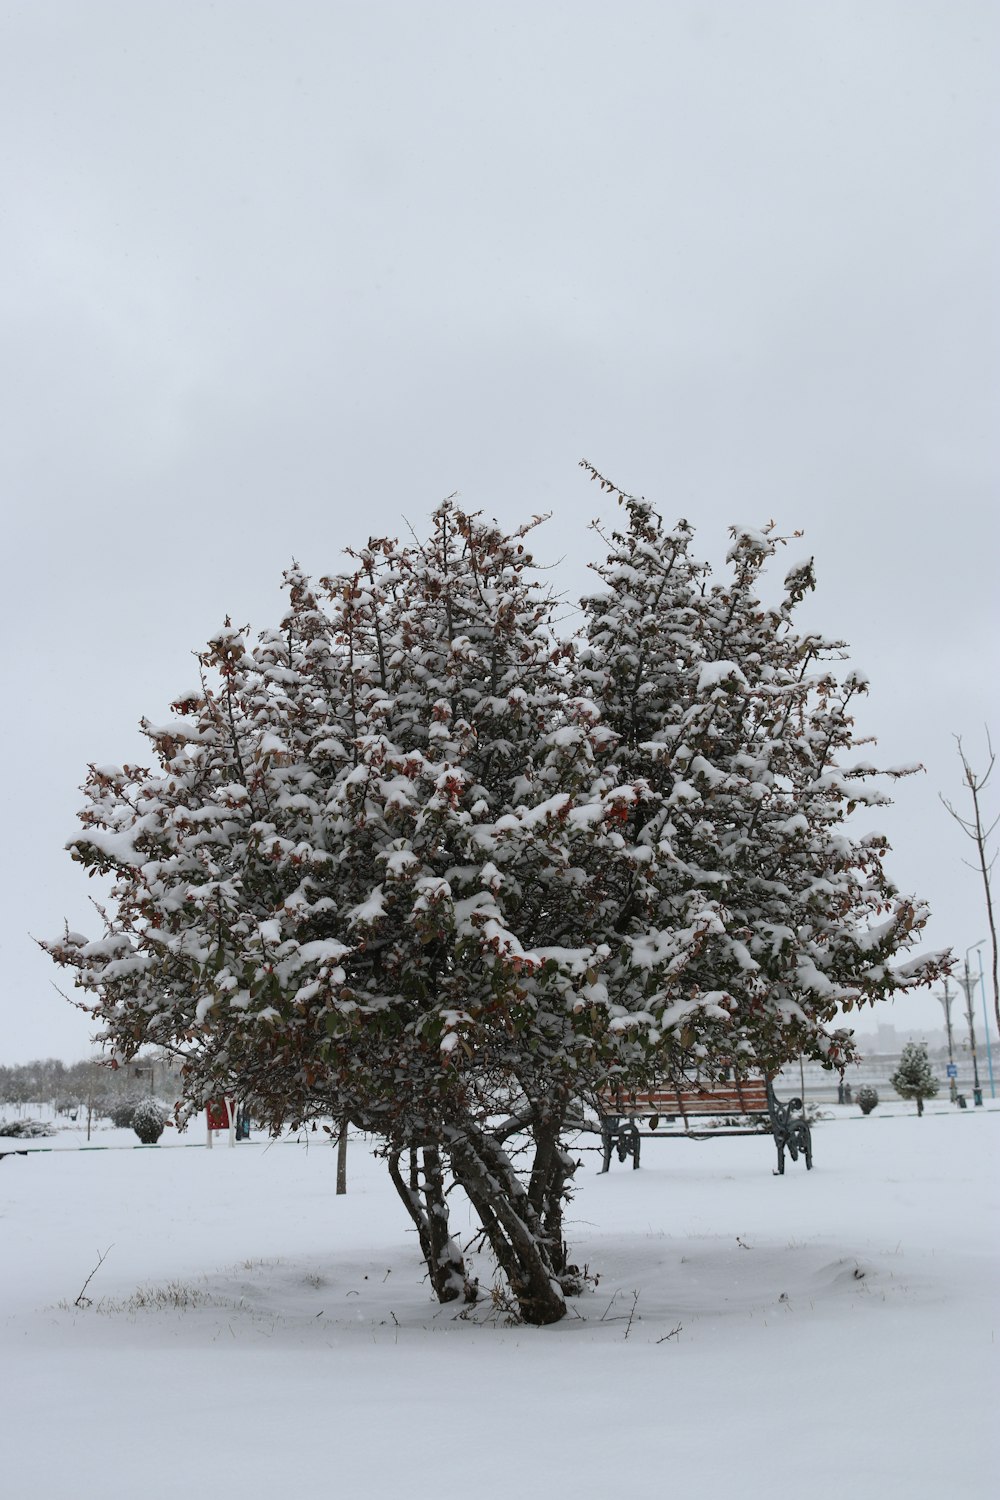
825, 1335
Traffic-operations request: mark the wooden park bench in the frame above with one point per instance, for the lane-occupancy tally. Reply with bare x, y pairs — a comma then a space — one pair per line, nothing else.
743, 1106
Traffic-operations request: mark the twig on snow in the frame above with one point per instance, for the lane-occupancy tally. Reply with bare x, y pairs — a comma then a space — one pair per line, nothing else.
635, 1298
609, 1307
81, 1300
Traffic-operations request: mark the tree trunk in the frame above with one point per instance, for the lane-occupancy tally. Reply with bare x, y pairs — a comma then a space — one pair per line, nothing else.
552, 1170
424, 1200
515, 1232
342, 1159
920, 1106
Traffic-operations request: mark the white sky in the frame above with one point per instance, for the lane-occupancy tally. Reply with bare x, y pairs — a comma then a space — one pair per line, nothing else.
274, 275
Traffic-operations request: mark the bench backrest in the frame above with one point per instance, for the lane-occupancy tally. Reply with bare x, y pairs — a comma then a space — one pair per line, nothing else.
745, 1096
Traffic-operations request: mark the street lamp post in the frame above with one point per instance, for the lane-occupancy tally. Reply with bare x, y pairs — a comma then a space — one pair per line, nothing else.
945, 1001
968, 985
986, 1019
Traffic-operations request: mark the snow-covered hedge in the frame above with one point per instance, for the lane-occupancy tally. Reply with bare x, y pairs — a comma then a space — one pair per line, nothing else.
25, 1130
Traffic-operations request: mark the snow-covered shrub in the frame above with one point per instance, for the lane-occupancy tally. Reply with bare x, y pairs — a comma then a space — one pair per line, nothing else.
26, 1129
121, 1109
148, 1120
867, 1098
414, 861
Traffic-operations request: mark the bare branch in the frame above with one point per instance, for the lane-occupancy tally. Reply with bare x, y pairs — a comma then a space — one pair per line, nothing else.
980, 833
81, 1300
635, 1299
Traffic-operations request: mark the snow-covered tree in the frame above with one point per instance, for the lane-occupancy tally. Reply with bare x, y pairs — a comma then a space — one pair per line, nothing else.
413, 861
913, 1079
738, 725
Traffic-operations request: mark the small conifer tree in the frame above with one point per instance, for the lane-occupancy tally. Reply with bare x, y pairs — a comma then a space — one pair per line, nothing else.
913, 1078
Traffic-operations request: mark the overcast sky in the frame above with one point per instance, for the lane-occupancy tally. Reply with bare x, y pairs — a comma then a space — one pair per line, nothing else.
274, 276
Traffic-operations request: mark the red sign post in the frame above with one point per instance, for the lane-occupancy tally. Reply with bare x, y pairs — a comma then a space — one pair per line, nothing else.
220, 1114
217, 1113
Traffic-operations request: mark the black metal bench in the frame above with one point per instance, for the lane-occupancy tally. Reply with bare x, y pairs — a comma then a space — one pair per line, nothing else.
745, 1106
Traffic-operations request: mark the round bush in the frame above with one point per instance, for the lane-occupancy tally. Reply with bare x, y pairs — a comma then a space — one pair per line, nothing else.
867, 1097
148, 1120
121, 1110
